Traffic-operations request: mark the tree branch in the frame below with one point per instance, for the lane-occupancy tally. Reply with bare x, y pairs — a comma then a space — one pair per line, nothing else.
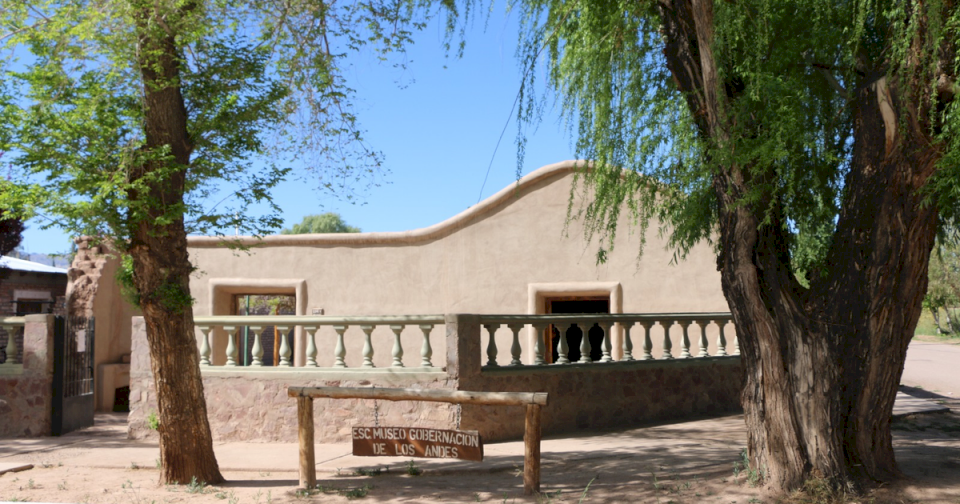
828, 75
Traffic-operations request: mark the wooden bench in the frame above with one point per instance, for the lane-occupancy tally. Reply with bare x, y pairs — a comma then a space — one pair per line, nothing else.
531, 436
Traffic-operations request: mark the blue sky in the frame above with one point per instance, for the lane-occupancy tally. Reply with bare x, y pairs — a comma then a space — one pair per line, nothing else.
437, 131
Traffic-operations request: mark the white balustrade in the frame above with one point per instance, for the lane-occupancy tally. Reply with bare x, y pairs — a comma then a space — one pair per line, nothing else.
563, 350
617, 332
515, 348
397, 346
367, 345
721, 340
616, 346
11, 326
205, 345
647, 342
311, 345
627, 342
492, 344
703, 339
584, 343
231, 346
426, 351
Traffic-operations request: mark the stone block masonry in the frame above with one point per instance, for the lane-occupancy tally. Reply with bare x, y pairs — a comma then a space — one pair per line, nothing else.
26, 399
251, 404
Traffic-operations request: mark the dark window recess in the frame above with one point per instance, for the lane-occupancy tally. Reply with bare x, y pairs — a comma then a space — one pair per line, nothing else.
574, 333
31, 306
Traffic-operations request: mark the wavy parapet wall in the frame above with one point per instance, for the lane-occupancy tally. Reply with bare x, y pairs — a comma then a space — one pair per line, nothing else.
501, 199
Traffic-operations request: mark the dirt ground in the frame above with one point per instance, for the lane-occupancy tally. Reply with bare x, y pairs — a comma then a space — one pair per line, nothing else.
698, 462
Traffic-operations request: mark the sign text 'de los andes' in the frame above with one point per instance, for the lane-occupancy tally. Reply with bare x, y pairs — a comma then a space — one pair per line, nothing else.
417, 442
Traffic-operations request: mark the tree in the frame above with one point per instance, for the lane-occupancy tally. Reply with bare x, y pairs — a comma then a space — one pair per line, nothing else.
125, 118
329, 222
943, 290
756, 125
11, 233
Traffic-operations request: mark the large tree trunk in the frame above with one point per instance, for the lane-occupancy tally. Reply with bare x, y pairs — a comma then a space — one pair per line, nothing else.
822, 365
158, 247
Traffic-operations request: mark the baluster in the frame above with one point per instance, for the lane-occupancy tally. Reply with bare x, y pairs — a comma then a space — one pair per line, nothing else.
703, 338
607, 345
340, 351
256, 351
492, 344
685, 340
367, 346
284, 347
667, 344
311, 345
515, 348
397, 346
563, 348
426, 351
721, 340
231, 346
11, 350
585, 343
538, 349
647, 342
627, 342
204, 345
736, 344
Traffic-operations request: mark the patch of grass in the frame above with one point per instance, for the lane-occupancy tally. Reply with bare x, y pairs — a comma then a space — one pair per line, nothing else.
153, 422
587, 489
196, 487
363, 471
754, 476
413, 470
816, 491
357, 493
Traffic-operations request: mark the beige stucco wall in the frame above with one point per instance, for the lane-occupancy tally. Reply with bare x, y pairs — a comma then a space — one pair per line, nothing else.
495, 258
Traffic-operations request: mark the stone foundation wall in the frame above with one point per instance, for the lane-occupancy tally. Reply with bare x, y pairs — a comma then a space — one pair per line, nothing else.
248, 405
603, 396
26, 400
591, 396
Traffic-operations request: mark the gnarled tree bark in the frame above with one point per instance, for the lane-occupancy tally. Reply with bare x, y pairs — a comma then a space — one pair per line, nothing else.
158, 246
822, 365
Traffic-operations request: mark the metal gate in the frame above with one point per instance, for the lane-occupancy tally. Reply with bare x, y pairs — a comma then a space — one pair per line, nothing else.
73, 372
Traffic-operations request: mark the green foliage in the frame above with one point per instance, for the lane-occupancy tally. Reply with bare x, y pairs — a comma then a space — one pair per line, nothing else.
329, 222
153, 422
124, 277
943, 289
264, 92
11, 233
789, 118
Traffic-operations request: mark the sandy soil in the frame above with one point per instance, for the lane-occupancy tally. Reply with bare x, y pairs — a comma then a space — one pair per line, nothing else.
698, 470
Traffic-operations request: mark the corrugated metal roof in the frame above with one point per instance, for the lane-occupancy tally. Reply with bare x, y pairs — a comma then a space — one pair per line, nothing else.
21, 265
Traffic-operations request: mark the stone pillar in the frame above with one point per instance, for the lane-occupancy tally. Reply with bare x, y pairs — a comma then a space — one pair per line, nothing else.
26, 399
463, 348
143, 399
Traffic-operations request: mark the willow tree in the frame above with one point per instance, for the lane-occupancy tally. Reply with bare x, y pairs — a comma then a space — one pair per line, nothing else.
816, 143
141, 121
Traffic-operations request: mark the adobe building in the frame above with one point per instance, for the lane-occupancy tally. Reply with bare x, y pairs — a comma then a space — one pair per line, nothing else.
465, 304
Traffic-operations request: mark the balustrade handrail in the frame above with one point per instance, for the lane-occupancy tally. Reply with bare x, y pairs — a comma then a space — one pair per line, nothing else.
308, 320
605, 317
11, 350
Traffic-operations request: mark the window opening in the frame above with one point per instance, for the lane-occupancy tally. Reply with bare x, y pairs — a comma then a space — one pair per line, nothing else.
264, 305
574, 333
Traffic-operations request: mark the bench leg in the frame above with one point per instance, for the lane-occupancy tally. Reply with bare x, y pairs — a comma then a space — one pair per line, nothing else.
308, 466
531, 451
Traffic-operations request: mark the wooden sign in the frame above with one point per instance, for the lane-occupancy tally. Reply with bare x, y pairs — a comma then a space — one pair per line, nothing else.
417, 442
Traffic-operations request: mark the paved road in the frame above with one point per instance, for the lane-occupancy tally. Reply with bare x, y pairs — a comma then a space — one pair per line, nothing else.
934, 367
